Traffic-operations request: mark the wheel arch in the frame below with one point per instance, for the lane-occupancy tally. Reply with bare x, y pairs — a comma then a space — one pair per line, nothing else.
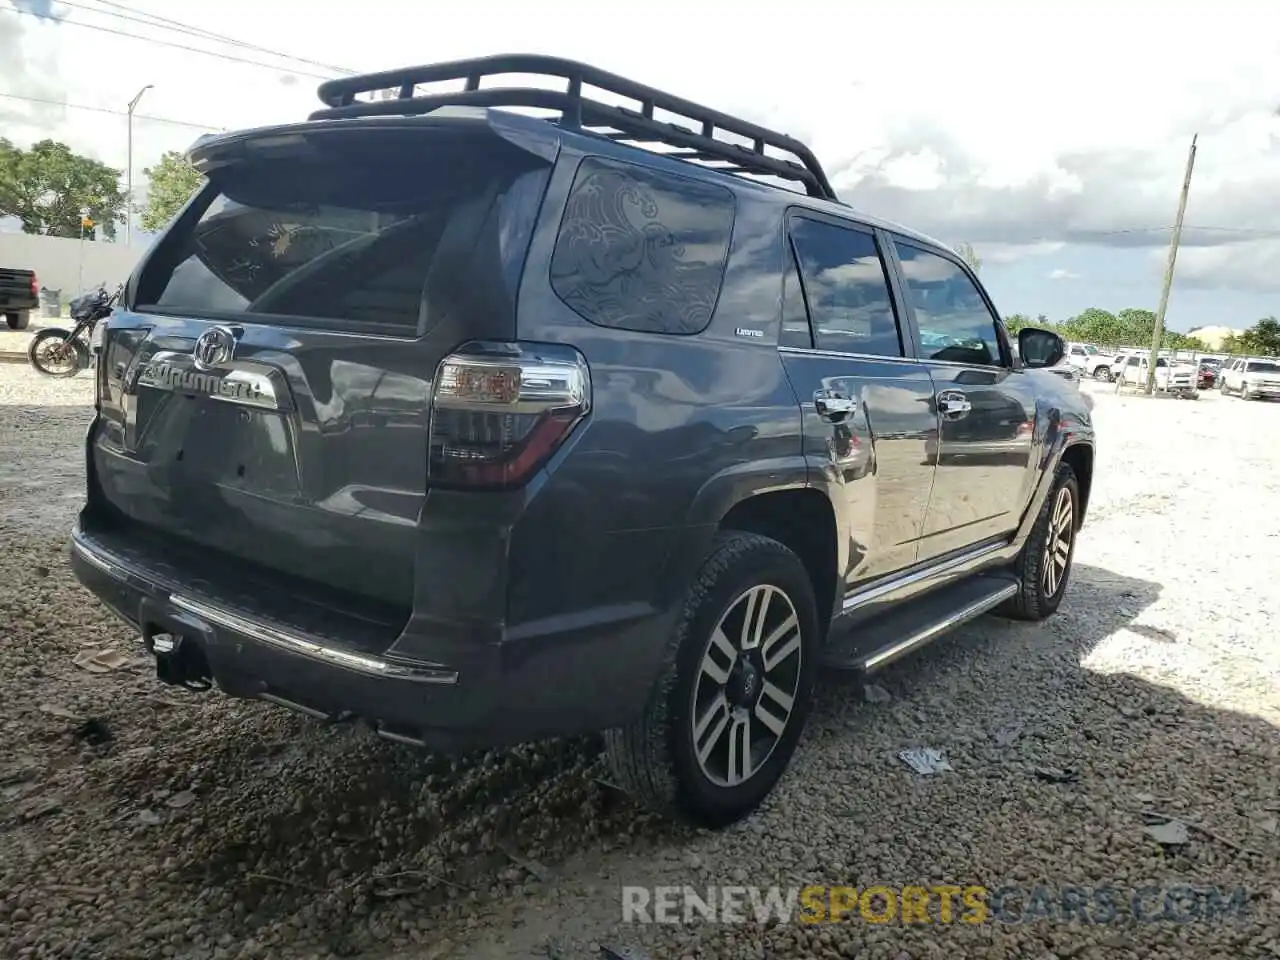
1080, 458
1081, 461
771, 499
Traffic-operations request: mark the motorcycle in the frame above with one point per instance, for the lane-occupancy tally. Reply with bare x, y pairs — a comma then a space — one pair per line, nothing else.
56, 352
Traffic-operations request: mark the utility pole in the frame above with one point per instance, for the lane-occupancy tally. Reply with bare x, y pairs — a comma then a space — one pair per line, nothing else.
1157, 334
128, 190
84, 222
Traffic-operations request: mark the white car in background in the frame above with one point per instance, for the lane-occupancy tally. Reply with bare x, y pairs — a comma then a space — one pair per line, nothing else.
1079, 355
1172, 376
1251, 377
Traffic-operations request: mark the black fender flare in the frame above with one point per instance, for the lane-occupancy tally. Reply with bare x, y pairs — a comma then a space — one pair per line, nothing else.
1063, 431
711, 504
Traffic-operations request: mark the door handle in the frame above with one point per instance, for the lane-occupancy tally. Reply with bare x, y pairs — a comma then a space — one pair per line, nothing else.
832, 405
954, 404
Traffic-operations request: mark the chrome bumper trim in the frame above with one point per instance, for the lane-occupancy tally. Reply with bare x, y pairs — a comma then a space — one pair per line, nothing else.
265, 633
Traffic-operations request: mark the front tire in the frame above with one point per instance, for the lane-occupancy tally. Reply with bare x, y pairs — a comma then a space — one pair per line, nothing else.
53, 353
1103, 374
1044, 565
729, 706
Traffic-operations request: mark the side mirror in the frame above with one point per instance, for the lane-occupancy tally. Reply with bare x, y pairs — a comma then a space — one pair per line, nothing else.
1040, 348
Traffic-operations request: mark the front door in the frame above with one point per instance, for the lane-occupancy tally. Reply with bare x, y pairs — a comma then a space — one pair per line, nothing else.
986, 409
867, 406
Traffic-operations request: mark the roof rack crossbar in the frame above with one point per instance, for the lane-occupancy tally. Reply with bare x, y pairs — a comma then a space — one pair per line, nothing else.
577, 112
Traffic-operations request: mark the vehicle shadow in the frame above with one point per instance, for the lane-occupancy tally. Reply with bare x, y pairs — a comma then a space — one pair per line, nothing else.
1061, 756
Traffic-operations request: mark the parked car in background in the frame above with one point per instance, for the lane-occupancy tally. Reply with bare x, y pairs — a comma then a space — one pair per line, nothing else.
19, 295
1120, 360
1171, 375
1251, 377
1079, 355
1207, 373
1099, 366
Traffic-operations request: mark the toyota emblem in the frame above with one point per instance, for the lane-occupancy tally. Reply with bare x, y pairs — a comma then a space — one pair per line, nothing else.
214, 348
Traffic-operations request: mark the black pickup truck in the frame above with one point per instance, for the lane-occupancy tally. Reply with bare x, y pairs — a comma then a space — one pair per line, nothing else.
19, 295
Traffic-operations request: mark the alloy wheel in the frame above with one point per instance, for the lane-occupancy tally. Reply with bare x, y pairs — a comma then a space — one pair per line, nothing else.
1058, 543
747, 685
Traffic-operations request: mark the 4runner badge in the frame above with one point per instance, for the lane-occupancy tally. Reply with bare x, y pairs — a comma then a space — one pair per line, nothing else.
178, 373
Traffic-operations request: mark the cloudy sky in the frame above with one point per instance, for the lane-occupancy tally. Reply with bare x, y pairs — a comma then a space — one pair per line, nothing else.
1050, 135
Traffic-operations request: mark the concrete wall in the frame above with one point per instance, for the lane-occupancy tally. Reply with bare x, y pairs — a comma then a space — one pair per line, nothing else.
57, 261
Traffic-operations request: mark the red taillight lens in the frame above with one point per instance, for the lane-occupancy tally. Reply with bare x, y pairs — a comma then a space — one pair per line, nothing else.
35, 286
498, 412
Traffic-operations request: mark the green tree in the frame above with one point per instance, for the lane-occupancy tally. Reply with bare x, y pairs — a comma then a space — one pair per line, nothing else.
46, 187
170, 183
1260, 340
969, 256
1181, 341
1016, 321
1093, 325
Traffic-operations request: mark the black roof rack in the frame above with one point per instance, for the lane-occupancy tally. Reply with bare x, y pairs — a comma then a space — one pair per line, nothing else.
636, 126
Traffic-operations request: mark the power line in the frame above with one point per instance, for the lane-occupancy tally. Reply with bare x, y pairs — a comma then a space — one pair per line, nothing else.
118, 113
134, 15
165, 43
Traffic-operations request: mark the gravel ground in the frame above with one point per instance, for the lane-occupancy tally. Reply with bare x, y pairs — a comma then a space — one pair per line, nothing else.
140, 821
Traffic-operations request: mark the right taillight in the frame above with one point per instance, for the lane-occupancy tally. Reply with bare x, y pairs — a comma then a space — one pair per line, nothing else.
500, 410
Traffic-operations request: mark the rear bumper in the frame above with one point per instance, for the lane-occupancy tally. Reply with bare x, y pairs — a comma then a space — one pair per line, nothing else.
1260, 390
565, 680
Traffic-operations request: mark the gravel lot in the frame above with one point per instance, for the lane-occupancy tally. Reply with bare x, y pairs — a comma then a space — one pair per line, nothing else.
140, 821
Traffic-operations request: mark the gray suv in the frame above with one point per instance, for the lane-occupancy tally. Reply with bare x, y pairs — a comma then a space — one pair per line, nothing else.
481, 426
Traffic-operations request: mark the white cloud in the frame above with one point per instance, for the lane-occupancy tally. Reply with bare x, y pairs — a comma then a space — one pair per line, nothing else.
1019, 139
1251, 263
1061, 274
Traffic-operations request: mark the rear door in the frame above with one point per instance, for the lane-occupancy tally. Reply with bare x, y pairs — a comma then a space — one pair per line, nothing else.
264, 397
868, 422
986, 409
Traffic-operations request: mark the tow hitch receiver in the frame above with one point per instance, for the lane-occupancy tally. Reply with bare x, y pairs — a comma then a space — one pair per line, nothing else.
179, 660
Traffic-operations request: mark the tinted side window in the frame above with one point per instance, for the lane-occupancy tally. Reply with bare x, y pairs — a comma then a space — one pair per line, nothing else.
641, 249
848, 293
795, 315
954, 321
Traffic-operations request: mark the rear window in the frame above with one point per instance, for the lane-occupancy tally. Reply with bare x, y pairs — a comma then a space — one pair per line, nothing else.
359, 229
641, 249
1262, 366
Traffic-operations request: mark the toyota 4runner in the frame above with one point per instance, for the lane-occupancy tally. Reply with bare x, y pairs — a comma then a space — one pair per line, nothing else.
500, 413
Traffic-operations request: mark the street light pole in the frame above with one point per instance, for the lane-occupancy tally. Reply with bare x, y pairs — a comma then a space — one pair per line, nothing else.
128, 206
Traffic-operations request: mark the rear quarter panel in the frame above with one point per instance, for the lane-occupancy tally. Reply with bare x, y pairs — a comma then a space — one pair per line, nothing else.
681, 428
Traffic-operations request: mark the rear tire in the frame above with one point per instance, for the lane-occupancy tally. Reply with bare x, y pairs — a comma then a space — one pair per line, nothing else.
1044, 565
723, 686
19, 320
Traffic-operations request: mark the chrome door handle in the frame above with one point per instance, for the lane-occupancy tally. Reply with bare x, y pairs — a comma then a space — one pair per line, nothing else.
833, 405
953, 403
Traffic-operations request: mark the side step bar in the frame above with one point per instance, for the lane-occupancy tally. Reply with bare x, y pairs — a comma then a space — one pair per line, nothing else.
876, 644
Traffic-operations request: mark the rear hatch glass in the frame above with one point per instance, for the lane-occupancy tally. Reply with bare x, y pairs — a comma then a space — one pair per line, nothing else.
340, 264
